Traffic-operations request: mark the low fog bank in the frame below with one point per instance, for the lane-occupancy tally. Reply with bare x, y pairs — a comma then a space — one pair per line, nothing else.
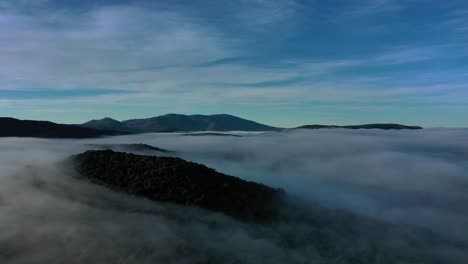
417, 177
416, 180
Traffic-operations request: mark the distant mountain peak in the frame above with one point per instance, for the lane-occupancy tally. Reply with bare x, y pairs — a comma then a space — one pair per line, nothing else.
108, 119
108, 123
105, 119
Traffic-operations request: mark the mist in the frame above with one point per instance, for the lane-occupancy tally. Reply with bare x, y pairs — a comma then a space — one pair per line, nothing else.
369, 196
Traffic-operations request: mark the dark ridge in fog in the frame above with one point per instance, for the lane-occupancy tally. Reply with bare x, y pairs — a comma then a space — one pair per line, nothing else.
178, 181
138, 147
211, 134
11, 127
366, 126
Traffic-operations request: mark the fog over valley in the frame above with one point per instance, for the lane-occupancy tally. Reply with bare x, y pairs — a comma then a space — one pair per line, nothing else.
354, 196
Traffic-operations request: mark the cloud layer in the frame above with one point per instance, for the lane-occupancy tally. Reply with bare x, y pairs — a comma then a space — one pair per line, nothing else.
366, 196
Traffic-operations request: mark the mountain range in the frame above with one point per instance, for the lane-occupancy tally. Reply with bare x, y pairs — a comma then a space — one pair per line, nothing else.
178, 123
220, 122
11, 127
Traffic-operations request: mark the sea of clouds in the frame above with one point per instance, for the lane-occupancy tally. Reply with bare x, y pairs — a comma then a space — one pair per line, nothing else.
360, 196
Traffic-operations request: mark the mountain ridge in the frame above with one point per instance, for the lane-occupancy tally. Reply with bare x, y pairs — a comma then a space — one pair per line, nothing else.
179, 123
217, 122
12, 127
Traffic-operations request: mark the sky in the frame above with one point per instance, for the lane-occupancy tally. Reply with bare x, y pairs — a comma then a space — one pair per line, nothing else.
280, 62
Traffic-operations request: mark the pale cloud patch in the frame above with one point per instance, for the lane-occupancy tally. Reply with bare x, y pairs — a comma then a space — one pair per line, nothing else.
457, 21
267, 12
106, 39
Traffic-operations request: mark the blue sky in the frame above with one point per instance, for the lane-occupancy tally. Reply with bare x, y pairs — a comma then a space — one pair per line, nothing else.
281, 62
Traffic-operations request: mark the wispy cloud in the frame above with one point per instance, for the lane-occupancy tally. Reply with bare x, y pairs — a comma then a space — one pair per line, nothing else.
364, 9
456, 21
222, 61
106, 39
375, 7
269, 83
56, 94
407, 55
266, 12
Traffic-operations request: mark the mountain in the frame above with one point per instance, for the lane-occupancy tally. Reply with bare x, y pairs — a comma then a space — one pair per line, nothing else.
367, 126
175, 180
108, 124
11, 127
176, 122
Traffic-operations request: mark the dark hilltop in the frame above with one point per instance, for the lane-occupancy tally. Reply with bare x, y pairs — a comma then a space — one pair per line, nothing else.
175, 180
